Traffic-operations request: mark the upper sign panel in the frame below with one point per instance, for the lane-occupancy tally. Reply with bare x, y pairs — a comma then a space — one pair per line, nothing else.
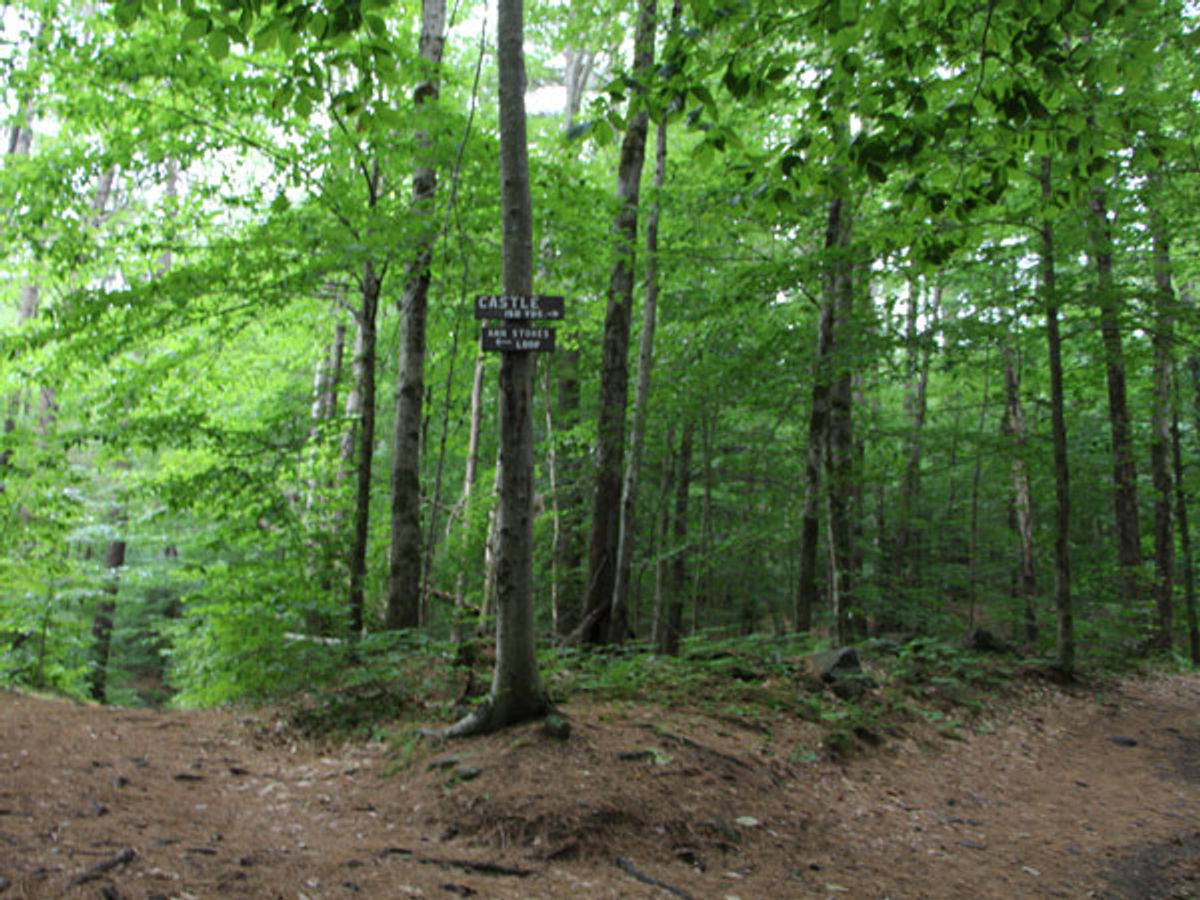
516, 306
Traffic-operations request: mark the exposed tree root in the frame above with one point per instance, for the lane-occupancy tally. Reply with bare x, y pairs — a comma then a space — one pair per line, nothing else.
494, 714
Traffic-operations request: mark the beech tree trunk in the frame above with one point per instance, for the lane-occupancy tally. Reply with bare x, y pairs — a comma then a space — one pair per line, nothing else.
807, 595
404, 589
1185, 540
114, 554
839, 455
516, 693
20, 140
662, 539
920, 346
567, 549
1125, 498
1160, 435
1065, 637
365, 369
614, 364
102, 622
325, 380
1022, 496
626, 531
470, 476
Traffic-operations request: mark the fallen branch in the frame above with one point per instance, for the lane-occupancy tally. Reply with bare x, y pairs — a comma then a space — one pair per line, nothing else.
97, 871
485, 868
471, 865
641, 876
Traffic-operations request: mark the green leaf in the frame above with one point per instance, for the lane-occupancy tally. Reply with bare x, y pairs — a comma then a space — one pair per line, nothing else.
375, 25
266, 37
127, 12
218, 45
195, 28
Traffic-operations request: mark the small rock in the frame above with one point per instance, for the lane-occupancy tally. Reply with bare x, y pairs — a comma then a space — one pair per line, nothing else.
747, 821
981, 640
557, 727
1030, 870
447, 762
1122, 741
468, 772
833, 664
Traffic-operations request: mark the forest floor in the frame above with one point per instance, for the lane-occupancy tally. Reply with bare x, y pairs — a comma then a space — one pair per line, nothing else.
1087, 791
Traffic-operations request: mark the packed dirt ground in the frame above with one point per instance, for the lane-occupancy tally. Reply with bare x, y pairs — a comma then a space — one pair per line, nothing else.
1051, 792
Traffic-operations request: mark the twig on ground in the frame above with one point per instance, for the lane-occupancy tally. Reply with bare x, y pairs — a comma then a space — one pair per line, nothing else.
629, 868
127, 855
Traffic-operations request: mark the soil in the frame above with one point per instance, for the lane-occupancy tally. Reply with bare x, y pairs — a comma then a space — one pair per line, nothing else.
1053, 792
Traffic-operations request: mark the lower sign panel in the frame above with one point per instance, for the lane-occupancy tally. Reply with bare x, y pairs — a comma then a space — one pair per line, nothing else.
519, 338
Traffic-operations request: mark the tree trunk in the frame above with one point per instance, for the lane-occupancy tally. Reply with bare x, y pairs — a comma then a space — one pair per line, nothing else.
1125, 499
102, 622
114, 554
325, 378
516, 693
614, 364
470, 476
1022, 496
920, 348
807, 595
365, 368
1185, 539
1065, 638
839, 454
620, 600
672, 631
1160, 434
404, 571
567, 550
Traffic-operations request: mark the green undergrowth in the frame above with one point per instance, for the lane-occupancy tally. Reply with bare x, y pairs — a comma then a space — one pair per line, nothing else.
758, 683
390, 686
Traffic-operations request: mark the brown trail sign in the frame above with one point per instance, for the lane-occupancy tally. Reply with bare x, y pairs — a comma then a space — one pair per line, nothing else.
515, 309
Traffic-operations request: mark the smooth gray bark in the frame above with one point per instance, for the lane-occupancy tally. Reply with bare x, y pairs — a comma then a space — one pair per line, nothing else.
839, 455
1125, 492
614, 361
1047, 294
516, 693
365, 369
404, 590
1014, 425
1160, 435
641, 399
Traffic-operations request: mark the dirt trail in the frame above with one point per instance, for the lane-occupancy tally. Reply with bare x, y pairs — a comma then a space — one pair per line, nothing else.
1059, 795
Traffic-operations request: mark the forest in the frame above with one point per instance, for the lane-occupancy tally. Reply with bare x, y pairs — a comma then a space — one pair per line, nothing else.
878, 319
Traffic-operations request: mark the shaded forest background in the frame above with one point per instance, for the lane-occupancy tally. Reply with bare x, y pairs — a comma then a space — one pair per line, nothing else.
880, 319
